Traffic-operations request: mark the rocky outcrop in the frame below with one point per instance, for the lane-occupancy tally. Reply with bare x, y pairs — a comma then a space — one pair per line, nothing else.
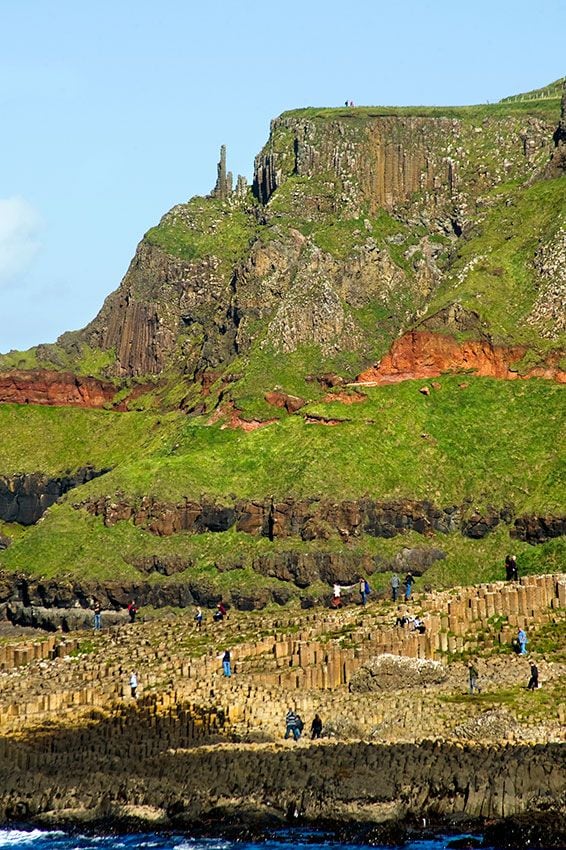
397, 158
538, 529
42, 386
166, 308
548, 314
181, 785
394, 672
309, 519
25, 497
424, 354
290, 403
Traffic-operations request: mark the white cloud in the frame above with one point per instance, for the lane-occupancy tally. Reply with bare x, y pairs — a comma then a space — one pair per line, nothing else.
20, 226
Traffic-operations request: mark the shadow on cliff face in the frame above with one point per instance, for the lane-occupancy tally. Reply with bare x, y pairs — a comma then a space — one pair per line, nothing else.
24, 498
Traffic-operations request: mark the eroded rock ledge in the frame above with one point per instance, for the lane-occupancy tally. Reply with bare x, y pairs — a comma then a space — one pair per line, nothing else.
43, 386
314, 519
25, 497
422, 354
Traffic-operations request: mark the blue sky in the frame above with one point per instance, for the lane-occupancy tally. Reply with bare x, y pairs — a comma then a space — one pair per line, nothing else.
114, 110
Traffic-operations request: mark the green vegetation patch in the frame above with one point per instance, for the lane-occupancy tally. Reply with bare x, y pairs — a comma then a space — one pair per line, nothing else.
205, 227
548, 107
40, 438
490, 441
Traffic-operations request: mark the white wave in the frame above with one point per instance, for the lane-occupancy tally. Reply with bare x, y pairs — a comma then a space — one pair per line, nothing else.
18, 837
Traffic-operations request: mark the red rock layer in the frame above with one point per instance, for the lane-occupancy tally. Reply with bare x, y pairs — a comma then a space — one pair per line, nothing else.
41, 386
422, 354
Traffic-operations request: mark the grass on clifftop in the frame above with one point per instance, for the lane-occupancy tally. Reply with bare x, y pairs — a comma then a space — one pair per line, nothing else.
205, 227
543, 108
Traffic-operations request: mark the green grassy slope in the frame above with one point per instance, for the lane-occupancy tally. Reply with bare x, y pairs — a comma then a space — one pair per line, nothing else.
492, 441
493, 272
552, 90
62, 439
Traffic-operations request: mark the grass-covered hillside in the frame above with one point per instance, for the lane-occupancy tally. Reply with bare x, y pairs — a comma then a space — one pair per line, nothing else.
475, 441
364, 225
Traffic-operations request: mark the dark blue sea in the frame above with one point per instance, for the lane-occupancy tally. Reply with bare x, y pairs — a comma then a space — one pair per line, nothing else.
35, 839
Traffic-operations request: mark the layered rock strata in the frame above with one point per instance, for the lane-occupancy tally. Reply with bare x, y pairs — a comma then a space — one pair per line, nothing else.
25, 497
44, 386
315, 519
423, 354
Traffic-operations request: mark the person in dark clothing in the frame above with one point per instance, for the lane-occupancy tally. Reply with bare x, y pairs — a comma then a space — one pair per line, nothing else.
226, 664
132, 610
511, 569
316, 727
533, 681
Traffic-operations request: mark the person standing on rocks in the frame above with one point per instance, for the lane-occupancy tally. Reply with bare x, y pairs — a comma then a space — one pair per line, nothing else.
97, 615
226, 663
522, 641
292, 725
533, 681
364, 589
395, 582
473, 678
409, 581
316, 727
336, 596
198, 619
133, 685
132, 610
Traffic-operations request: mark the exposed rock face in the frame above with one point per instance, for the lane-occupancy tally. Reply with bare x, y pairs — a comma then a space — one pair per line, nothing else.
538, 529
309, 519
429, 172
391, 672
24, 498
423, 354
185, 785
395, 158
549, 311
290, 403
162, 303
41, 386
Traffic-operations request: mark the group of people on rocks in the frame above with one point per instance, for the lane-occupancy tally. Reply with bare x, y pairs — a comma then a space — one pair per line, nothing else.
294, 726
132, 609
364, 589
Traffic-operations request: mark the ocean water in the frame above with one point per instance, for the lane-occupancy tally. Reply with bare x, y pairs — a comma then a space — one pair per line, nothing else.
36, 839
